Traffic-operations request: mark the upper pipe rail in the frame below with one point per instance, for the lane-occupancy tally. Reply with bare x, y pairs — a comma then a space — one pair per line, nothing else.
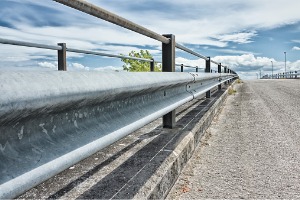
120, 21
113, 18
29, 44
214, 62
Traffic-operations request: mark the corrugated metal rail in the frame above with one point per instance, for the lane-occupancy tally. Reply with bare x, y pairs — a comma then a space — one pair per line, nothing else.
65, 117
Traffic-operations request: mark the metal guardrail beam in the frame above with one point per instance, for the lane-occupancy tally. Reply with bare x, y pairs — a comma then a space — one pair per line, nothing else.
111, 17
63, 118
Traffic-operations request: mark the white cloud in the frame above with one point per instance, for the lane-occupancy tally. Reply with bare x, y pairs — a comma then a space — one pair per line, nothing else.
47, 65
243, 60
198, 62
296, 48
77, 66
109, 68
241, 38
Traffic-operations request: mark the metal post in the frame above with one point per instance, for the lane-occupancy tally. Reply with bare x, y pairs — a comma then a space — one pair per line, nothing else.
272, 68
197, 69
181, 67
260, 74
219, 71
168, 65
225, 71
62, 57
152, 65
284, 63
208, 70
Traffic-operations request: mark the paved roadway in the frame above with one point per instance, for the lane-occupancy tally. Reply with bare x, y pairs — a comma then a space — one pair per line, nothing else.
252, 149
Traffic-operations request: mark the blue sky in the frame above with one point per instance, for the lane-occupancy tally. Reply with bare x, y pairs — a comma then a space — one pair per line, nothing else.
245, 35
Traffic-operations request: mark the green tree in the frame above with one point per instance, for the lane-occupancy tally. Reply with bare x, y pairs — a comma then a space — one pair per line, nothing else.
138, 65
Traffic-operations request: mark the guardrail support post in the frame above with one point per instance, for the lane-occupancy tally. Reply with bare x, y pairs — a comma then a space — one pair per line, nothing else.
208, 70
152, 66
226, 71
168, 65
219, 71
62, 57
181, 68
197, 69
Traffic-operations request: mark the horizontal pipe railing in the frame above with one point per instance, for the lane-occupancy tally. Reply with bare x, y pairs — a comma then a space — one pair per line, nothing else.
179, 46
107, 55
113, 18
120, 21
59, 48
29, 44
288, 75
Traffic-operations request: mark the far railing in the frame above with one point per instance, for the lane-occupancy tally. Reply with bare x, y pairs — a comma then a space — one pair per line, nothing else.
287, 75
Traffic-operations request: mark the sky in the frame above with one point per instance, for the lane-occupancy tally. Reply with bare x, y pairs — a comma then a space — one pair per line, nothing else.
244, 35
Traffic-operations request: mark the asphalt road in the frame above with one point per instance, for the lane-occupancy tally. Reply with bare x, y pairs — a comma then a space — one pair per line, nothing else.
252, 149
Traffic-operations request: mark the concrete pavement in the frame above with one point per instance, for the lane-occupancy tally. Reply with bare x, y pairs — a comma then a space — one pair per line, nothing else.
251, 150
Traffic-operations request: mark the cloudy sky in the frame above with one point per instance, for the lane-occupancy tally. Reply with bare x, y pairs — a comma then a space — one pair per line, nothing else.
245, 35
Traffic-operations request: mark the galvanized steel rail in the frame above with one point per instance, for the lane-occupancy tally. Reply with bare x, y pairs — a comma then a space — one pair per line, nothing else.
65, 117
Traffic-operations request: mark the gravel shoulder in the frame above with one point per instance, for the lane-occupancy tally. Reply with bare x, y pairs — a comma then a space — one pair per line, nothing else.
251, 149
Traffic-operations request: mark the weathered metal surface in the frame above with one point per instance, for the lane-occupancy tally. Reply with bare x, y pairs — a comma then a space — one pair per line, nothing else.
168, 65
64, 117
62, 57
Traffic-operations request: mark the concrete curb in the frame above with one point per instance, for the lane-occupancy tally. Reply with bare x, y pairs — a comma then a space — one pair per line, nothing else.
161, 182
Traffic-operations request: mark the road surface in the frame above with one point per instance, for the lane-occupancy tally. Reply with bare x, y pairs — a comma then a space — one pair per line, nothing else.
252, 149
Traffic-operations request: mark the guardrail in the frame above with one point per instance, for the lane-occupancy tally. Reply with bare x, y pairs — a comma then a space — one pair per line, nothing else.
63, 118
288, 75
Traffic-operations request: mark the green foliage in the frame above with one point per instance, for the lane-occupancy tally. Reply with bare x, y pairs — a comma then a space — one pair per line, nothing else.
137, 65
239, 81
231, 91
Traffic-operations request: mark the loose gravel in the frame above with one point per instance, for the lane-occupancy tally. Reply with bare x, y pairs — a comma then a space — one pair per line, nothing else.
251, 149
